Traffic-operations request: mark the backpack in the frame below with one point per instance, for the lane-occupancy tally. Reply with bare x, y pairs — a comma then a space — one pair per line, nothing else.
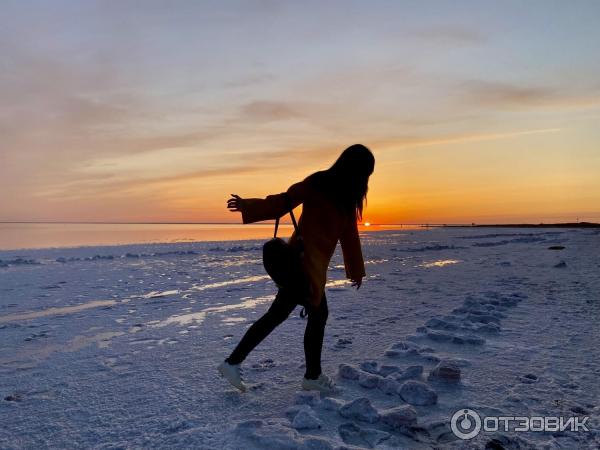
283, 262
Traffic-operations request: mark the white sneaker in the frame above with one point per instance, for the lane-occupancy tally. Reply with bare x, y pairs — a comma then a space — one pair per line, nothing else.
233, 374
321, 384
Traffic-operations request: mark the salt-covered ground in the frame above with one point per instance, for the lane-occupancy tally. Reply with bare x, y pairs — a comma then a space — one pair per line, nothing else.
116, 347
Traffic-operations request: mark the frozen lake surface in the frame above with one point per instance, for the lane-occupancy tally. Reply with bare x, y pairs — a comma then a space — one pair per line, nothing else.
117, 346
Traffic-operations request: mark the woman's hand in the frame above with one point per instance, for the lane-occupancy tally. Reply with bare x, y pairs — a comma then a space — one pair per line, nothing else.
235, 203
357, 283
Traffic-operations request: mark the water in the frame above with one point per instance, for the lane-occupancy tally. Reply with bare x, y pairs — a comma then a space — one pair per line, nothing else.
44, 235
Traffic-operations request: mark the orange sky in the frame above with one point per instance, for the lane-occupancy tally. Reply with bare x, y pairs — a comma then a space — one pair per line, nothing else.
158, 114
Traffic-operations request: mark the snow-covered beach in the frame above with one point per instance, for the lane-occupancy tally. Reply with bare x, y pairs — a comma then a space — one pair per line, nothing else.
117, 346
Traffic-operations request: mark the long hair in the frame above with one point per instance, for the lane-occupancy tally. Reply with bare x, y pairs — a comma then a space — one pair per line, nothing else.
346, 182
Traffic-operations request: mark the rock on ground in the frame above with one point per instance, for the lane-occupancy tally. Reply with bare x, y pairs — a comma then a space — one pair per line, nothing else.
360, 409
399, 417
417, 393
445, 371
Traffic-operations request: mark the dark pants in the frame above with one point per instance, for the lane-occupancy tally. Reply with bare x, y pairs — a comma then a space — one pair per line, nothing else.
280, 309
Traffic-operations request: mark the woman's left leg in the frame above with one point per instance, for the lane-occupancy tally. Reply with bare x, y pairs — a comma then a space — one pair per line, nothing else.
313, 338
279, 310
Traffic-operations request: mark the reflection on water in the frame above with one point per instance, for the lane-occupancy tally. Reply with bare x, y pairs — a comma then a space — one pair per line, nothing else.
335, 283
158, 294
233, 320
199, 316
43, 235
201, 287
376, 261
100, 303
247, 303
441, 263
219, 284
56, 311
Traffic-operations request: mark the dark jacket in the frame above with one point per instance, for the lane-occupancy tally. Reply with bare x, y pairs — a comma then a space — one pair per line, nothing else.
321, 225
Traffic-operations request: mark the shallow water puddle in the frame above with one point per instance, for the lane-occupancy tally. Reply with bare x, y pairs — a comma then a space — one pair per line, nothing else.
56, 311
199, 316
233, 320
336, 283
100, 303
219, 284
440, 263
202, 287
376, 261
158, 294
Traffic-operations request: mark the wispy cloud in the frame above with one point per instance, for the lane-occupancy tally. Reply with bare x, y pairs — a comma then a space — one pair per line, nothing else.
100, 187
408, 142
502, 95
116, 178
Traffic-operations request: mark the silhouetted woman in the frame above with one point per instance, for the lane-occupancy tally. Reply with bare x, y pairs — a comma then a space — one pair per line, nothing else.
332, 203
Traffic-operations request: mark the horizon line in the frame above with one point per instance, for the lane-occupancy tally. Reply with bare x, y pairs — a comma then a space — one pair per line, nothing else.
265, 222
270, 222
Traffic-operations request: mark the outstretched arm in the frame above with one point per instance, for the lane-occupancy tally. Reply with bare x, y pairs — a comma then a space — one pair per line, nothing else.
271, 207
235, 203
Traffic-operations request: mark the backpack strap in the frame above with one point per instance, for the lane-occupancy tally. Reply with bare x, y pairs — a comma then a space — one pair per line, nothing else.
288, 204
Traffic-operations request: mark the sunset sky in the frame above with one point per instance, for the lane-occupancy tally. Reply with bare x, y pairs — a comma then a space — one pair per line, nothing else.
156, 111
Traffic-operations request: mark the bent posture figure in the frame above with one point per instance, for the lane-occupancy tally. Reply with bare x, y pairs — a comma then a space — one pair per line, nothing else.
332, 203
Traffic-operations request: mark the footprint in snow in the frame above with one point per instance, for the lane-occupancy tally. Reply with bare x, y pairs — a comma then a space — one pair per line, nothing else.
342, 343
264, 364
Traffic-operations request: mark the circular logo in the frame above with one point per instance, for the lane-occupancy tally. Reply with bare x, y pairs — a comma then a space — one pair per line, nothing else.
465, 424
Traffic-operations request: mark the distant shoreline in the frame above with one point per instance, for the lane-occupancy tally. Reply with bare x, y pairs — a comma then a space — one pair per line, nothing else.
530, 225
15, 237
269, 223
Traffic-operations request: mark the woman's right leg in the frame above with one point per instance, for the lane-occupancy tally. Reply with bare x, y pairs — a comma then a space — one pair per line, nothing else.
313, 338
279, 310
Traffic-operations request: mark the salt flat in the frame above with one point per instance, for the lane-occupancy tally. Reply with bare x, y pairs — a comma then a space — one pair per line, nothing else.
117, 347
